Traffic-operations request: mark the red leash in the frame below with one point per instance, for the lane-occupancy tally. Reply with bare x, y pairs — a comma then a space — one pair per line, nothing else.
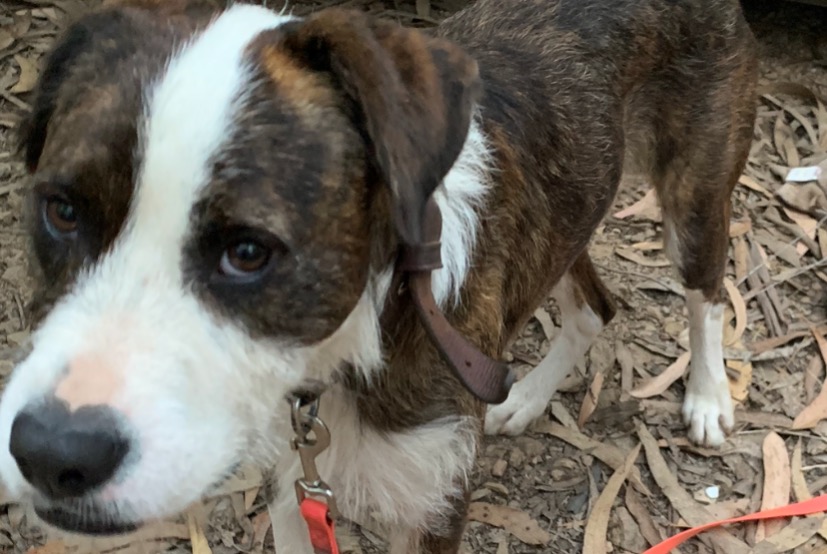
321, 526
808, 507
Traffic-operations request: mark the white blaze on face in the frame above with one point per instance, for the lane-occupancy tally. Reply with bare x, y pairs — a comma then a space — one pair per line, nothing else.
129, 334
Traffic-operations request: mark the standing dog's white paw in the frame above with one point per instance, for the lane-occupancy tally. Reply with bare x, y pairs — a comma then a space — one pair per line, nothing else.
522, 407
708, 411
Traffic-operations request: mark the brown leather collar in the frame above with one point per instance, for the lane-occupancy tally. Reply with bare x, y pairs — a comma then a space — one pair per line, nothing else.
487, 379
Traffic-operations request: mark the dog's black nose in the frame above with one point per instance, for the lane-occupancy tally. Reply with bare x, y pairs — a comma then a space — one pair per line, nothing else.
67, 454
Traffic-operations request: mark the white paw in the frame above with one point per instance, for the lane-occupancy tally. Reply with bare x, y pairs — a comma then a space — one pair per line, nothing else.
708, 411
522, 407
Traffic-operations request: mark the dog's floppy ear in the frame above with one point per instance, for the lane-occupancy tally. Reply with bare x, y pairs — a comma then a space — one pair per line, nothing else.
414, 94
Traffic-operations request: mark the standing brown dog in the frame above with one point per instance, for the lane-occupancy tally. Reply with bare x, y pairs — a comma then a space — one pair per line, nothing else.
218, 202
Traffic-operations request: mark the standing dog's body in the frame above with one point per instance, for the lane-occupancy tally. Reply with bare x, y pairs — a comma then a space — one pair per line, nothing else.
213, 216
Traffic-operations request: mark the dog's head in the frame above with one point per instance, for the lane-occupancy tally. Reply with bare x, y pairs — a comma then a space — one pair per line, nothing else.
215, 204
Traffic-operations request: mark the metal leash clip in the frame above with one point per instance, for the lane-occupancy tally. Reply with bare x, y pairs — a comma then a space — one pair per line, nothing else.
306, 423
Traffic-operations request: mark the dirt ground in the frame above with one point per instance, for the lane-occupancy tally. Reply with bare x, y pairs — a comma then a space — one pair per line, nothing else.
547, 490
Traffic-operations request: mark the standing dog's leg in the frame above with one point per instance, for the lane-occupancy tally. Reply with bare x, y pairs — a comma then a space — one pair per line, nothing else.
701, 151
585, 308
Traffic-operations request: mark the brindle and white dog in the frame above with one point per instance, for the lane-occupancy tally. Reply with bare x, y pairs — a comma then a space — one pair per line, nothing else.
213, 207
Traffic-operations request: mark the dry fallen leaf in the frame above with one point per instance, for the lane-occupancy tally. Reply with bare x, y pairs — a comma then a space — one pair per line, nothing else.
590, 400
22, 24
741, 256
799, 483
197, 538
647, 208
728, 509
777, 479
808, 226
790, 537
752, 184
634, 503
817, 409
6, 39
610, 455
640, 259
261, 524
821, 117
692, 512
516, 522
658, 384
807, 198
739, 227
739, 387
648, 245
740, 309
812, 375
594, 538
28, 75
772, 343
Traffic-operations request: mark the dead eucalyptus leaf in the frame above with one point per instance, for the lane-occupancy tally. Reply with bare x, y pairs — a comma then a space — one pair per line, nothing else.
741, 258
6, 39
197, 537
516, 522
28, 75
658, 384
648, 245
740, 309
807, 198
816, 410
692, 512
799, 483
782, 136
752, 184
812, 375
808, 226
594, 537
790, 537
777, 483
590, 400
740, 228
634, 503
640, 259
646, 208
610, 455
821, 118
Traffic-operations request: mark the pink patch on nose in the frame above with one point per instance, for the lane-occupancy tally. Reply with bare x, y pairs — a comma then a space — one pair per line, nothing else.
91, 380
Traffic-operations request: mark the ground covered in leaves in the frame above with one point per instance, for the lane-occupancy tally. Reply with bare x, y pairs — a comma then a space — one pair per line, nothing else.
553, 489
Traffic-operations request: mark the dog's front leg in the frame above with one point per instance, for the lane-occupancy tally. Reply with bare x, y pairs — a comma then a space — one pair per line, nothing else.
290, 534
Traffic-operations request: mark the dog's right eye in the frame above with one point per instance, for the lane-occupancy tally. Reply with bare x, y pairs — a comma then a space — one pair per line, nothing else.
244, 258
60, 215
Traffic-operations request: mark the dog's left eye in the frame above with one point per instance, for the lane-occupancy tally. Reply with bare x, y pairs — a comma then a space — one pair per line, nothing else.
60, 215
244, 258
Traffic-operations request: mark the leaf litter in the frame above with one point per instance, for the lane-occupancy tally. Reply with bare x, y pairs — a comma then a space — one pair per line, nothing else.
563, 482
